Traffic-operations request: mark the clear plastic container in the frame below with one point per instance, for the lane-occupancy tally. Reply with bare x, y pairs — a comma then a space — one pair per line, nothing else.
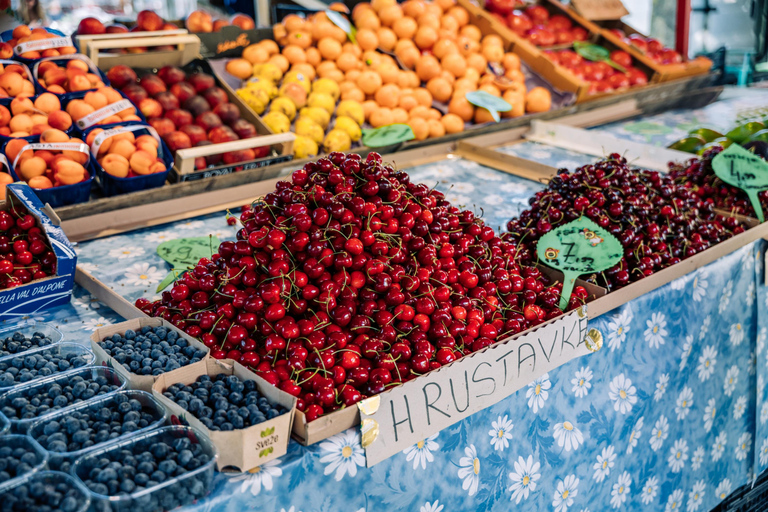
63, 460
28, 328
37, 387
60, 349
29, 445
60, 481
174, 492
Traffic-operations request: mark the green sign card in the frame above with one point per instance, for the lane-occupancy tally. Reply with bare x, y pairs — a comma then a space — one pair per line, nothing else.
596, 53
743, 169
387, 135
183, 253
489, 102
579, 247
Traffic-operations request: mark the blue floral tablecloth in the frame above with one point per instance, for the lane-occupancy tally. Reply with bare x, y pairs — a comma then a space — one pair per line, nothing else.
670, 415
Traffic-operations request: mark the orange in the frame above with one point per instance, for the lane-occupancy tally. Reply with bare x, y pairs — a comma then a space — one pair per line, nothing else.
429, 21
389, 73
354, 94
390, 15
493, 53
371, 58
440, 89
444, 47
306, 69
405, 27
381, 117
387, 38
368, 107
321, 29
313, 56
452, 123
423, 96
449, 23
347, 61
455, 64
493, 40
399, 116
352, 75
270, 46
472, 75
477, 62
294, 22
445, 4
538, 99
471, 32
369, 82
465, 85
300, 39
404, 44
366, 39
355, 50
380, 5
407, 102
467, 46
325, 66
425, 37
419, 111
335, 75
408, 79
483, 116
433, 9
427, 68
329, 48
433, 113
346, 85
448, 77
517, 100
414, 8
280, 61
462, 108
360, 9
515, 75
490, 89
436, 128
409, 57
368, 20
510, 61
460, 13
294, 54
420, 128
388, 95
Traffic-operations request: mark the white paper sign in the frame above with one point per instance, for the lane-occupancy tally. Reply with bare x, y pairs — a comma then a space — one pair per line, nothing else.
52, 146
43, 44
407, 414
103, 113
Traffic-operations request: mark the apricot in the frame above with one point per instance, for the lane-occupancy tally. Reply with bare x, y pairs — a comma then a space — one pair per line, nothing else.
158, 167
141, 162
40, 182
21, 31
13, 83
31, 167
47, 103
68, 172
116, 165
21, 123
45, 155
60, 120
240, 68
56, 89
13, 147
142, 139
123, 148
147, 147
96, 100
78, 64
79, 82
78, 109
54, 135
22, 106
129, 136
5, 116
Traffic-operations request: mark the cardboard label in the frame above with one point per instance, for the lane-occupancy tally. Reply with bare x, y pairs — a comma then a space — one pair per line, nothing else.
387, 135
52, 146
579, 247
407, 414
103, 113
489, 102
599, 10
43, 44
101, 137
743, 169
183, 253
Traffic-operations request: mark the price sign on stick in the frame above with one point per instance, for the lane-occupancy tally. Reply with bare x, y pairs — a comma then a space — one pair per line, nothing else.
183, 253
579, 247
387, 135
489, 102
743, 169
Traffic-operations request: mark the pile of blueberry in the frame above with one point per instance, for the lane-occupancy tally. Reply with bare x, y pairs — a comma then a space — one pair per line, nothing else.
43, 492
95, 424
17, 457
145, 464
151, 350
51, 396
24, 368
224, 403
17, 342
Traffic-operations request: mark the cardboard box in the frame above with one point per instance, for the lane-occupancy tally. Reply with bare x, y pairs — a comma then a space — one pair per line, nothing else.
52, 291
245, 448
140, 382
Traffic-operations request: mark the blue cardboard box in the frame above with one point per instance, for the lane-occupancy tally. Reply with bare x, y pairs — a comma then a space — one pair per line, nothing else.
45, 293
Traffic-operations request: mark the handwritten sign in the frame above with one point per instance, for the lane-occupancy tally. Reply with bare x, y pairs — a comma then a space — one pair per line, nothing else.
43, 44
598, 10
183, 253
489, 102
738, 167
596, 53
579, 247
407, 414
387, 135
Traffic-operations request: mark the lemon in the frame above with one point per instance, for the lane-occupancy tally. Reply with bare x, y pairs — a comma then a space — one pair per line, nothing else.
306, 127
317, 114
322, 100
353, 109
337, 140
260, 84
350, 126
327, 86
304, 147
277, 122
256, 99
284, 105
299, 78
268, 71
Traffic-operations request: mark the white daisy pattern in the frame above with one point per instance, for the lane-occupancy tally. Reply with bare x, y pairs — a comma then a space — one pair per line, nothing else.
696, 496
723, 489
678, 454
736, 334
142, 274
750, 295
96, 323
565, 492
463, 187
743, 446
687, 346
740, 407
661, 387
725, 298
88, 267
604, 464
761, 337
343, 454
700, 285
469, 470
634, 435
421, 452
436, 506
620, 490
709, 414
622, 393
582, 382
88, 302
538, 392
683, 403
731, 378
489, 175
679, 283
127, 252
259, 477
513, 188
656, 330
675, 501
568, 435
764, 413
650, 490
618, 328
707, 362
659, 433
501, 433
705, 327
718, 447
161, 236
190, 225
458, 199
493, 199
697, 458
524, 478
764, 452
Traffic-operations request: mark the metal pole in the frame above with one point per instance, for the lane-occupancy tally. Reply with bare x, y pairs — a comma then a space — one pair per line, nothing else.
682, 27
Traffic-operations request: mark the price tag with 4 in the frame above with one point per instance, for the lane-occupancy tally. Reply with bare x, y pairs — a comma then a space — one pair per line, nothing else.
184, 253
743, 169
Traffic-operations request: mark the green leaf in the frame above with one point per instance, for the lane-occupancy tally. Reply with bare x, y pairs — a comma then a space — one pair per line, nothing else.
596, 53
743, 169
489, 102
387, 135
579, 247
183, 253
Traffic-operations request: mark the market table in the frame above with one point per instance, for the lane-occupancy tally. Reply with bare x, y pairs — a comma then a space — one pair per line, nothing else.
669, 414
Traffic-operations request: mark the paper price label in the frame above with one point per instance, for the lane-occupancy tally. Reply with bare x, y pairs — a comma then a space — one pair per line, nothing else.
488, 101
743, 169
579, 247
100, 138
52, 146
183, 253
43, 44
103, 113
387, 135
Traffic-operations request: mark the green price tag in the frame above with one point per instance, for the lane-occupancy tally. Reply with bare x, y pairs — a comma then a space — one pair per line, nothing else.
183, 253
743, 169
596, 53
387, 135
343, 23
489, 102
579, 247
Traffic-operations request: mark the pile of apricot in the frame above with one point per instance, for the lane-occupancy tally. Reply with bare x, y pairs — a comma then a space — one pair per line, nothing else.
33, 116
98, 99
24, 34
14, 81
42, 168
125, 155
75, 76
